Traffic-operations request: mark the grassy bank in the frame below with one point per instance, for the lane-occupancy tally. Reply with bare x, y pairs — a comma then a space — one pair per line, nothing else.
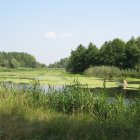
72, 113
59, 77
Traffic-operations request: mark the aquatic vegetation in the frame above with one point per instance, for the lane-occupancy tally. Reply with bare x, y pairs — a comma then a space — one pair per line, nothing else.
73, 112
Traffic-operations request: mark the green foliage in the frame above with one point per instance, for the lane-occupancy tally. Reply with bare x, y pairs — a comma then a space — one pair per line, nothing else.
77, 61
106, 72
16, 59
112, 53
36, 95
82, 58
132, 54
5, 63
71, 99
93, 116
91, 55
14, 63
130, 73
59, 64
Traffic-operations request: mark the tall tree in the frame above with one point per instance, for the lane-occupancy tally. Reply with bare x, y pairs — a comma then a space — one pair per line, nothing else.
132, 53
76, 62
91, 55
112, 53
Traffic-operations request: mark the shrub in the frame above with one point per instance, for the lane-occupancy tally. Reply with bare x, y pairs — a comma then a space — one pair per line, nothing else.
108, 72
130, 73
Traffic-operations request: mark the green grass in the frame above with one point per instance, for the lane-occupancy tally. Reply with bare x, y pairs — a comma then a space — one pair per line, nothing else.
59, 77
72, 113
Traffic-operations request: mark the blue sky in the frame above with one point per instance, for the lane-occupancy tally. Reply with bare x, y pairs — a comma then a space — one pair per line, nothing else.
50, 29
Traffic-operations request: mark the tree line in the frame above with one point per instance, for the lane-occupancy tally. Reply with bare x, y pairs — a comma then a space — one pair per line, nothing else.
62, 63
118, 53
18, 59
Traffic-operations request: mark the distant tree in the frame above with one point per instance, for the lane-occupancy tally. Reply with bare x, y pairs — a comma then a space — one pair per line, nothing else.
43, 65
16, 59
112, 53
91, 55
77, 63
105, 54
6, 63
1, 59
118, 47
62, 63
138, 42
14, 63
132, 53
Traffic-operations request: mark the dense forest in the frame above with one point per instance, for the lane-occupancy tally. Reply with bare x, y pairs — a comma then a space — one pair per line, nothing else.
18, 59
124, 55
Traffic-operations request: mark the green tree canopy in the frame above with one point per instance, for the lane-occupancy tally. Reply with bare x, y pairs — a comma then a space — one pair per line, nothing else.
132, 53
18, 59
112, 53
77, 61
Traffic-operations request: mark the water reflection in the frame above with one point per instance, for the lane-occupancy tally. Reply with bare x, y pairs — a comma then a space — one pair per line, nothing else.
111, 92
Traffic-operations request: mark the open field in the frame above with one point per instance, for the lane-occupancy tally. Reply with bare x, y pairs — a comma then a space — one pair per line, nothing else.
59, 77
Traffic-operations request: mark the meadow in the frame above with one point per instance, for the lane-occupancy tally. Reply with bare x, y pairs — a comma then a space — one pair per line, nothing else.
60, 77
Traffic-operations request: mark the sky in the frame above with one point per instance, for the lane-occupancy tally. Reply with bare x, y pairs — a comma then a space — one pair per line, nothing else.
50, 29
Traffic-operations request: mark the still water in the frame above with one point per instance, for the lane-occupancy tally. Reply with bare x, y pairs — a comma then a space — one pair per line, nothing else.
111, 92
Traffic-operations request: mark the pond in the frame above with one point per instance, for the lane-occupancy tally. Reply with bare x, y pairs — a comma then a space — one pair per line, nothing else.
111, 92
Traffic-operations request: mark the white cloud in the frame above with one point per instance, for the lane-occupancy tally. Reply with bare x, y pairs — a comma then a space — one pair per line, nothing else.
55, 35
51, 35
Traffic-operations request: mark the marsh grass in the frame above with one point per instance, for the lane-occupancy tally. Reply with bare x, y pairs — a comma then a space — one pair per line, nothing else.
59, 77
71, 99
70, 113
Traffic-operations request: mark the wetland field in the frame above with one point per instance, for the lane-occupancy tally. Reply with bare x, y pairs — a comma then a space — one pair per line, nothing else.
61, 77
81, 109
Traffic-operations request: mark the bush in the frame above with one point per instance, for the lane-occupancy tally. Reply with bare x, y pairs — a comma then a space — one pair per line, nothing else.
106, 72
130, 73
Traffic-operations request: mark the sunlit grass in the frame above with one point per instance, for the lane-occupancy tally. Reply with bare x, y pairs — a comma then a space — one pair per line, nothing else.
59, 77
